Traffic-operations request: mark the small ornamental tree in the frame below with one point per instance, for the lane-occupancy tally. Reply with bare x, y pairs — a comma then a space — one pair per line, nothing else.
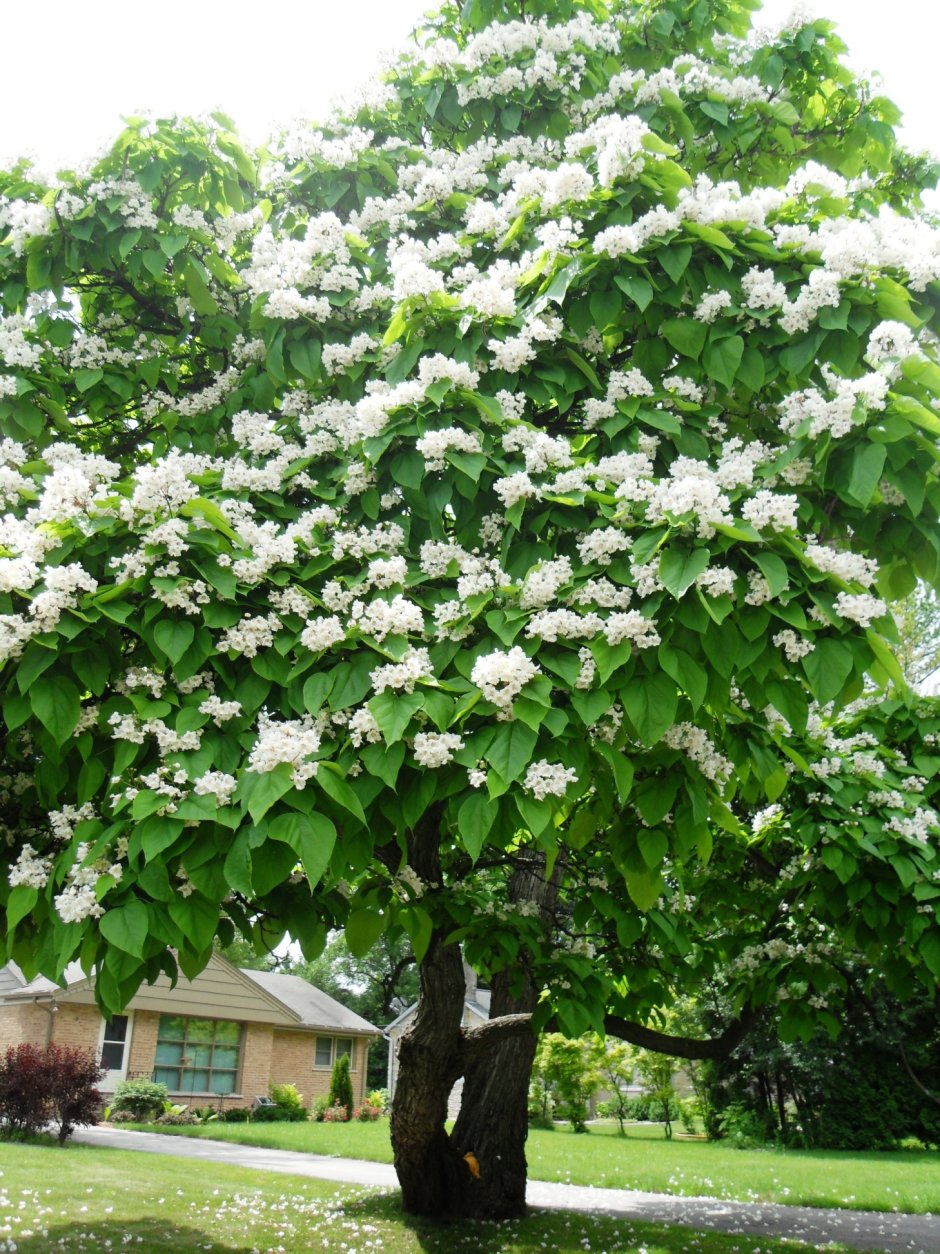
54, 1084
474, 524
341, 1090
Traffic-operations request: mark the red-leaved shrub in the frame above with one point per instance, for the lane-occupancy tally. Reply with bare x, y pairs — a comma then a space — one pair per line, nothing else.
51, 1085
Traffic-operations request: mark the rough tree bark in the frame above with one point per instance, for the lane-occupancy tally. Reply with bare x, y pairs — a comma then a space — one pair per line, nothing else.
493, 1120
430, 1170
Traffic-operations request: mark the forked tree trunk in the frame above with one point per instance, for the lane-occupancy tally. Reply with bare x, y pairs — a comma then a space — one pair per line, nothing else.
493, 1120
480, 1169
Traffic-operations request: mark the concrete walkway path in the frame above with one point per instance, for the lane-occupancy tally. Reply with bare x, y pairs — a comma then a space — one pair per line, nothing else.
862, 1230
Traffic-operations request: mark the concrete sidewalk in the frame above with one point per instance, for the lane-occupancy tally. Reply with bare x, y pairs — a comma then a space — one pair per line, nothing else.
862, 1230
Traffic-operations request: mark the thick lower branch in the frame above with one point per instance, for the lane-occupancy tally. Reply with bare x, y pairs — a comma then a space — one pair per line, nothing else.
477, 1040
716, 1047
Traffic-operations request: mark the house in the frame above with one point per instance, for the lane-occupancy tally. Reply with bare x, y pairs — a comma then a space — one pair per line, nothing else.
476, 1010
219, 1039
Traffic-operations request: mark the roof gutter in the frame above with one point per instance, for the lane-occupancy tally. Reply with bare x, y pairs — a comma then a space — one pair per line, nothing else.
51, 1007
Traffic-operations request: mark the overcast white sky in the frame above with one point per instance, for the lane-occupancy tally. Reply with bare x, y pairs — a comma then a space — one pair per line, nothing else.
74, 68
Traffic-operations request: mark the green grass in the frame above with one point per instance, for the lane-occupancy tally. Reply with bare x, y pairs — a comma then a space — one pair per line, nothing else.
83, 1199
906, 1181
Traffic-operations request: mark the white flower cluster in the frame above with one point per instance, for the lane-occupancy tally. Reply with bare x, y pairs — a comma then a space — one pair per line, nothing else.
862, 609
79, 899
548, 779
29, 869
291, 741
434, 749
795, 647
216, 784
435, 445
851, 567
691, 740
501, 676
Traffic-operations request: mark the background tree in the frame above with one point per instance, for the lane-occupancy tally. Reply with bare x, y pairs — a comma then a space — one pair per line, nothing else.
472, 529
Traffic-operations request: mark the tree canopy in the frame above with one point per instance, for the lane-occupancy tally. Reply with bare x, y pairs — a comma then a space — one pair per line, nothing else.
515, 472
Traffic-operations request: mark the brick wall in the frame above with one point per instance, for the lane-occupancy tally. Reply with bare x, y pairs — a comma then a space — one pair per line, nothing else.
293, 1063
23, 1022
77, 1026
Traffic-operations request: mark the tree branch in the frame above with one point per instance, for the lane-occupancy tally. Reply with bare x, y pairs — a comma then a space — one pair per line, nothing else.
478, 1040
716, 1047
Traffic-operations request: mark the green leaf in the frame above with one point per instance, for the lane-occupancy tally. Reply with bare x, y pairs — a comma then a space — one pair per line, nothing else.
56, 704
259, 791
311, 836
363, 929
203, 301
687, 673
331, 780
650, 702
774, 570
638, 289
127, 926
621, 768
722, 359
383, 761
679, 568
21, 902
510, 750
86, 379
393, 711
198, 507
197, 919
653, 846
174, 637
475, 817
827, 668
686, 335
644, 888
417, 923
868, 463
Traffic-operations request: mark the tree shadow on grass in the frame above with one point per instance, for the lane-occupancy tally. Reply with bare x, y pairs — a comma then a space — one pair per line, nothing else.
556, 1232
145, 1234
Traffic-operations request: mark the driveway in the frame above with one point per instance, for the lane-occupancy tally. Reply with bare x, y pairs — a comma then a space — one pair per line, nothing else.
864, 1230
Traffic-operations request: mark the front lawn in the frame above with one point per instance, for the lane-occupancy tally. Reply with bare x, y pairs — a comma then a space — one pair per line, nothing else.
88, 1200
905, 1181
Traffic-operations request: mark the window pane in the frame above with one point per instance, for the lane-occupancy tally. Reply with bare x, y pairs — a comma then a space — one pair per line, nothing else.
169, 1076
226, 1057
199, 1081
199, 1055
200, 1029
324, 1054
227, 1033
344, 1046
172, 1028
112, 1055
223, 1082
169, 1052
116, 1029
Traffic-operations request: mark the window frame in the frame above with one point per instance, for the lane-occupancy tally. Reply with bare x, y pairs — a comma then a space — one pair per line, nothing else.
334, 1054
189, 1046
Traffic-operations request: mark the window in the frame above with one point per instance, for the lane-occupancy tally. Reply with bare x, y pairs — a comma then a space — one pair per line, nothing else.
197, 1055
329, 1048
113, 1042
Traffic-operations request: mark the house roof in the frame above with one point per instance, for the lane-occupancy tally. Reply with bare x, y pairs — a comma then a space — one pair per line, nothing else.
314, 1008
478, 1003
255, 996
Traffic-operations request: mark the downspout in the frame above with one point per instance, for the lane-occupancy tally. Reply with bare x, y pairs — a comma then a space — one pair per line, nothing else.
51, 1007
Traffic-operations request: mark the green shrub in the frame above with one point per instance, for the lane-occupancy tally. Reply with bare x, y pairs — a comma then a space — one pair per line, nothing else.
341, 1090
288, 1102
236, 1114
178, 1118
379, 1098
142, 1098
318, 1109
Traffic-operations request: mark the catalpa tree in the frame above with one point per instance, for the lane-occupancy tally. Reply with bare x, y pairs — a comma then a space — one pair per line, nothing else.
453, 522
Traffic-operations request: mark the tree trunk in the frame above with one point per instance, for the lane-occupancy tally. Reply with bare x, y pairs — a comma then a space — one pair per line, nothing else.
493, 1122
430, 1171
